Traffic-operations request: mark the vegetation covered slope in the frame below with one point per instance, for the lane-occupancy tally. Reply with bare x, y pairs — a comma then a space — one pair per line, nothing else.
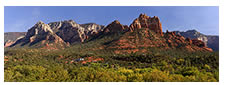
44, 65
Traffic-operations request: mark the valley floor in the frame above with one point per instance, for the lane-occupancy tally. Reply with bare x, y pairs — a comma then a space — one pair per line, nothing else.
33, 65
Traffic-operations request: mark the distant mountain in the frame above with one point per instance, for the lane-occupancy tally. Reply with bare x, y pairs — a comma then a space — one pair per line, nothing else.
211, 41
143, 35
11, 37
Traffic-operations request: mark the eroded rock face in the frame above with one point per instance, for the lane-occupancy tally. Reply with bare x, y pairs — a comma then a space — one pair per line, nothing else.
71, 32
189, 41
114, 27
193, 34
198, 43
39, 28
175, 40
8, 43
11, 37
40, 32
145, 38
92, 28
144, 21
126, 28
211, 41
60, 32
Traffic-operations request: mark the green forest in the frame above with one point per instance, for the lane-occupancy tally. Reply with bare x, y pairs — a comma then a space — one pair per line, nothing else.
43, 65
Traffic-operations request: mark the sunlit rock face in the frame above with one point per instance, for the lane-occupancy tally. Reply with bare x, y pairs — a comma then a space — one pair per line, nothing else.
144, 21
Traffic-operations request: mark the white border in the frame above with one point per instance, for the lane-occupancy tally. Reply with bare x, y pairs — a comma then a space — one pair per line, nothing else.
2, 42
222, 45
111, 2
222, 33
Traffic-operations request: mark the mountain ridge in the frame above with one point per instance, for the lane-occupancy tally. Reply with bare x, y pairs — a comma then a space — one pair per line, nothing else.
145, 30
211, 41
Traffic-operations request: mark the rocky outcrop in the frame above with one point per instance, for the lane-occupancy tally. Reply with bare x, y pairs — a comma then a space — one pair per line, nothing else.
146, 32
62, 32
114, 27
187, 43
198, 43
142, 40
69, 31
209, 40
40, 33
39, 28
92, 28
175, 40
72, 32
144, 21
193, 34
8, 43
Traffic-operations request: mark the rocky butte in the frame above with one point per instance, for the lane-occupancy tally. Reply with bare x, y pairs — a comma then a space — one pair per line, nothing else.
146, 33
143, 34
144, 21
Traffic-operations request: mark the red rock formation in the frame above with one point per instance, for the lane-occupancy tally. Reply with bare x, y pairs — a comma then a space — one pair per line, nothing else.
189, 41
208, 49
180, 41
144, 21
198, 43
126, 28
8, 43
114, 27
174, 40
145, 38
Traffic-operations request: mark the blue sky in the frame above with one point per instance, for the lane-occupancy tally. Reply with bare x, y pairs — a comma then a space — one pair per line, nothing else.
202, 18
